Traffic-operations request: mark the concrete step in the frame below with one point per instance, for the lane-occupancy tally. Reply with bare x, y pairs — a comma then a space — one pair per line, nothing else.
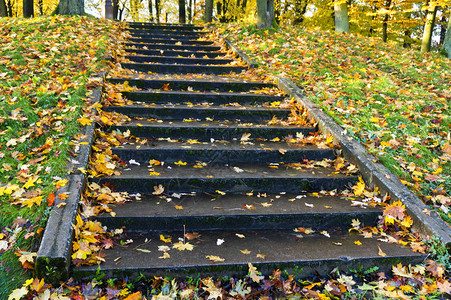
237, 212
225, 85
313, 254
206, 130
182, 68
204, 48
166, 26
227, 152
236, 178
181, 112
178, 60
174, 36
167, 97
198, 54
167, 32
143, 39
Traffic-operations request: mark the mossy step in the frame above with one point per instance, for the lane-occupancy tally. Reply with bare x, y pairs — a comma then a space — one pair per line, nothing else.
176, 53
178, 60
182, 68
222, 152
164, 26
141, 39
267, 250
206, 130
237, 212
204, 48
216, 98
225, 85
178, 37
235, 178
181, 112
168, 31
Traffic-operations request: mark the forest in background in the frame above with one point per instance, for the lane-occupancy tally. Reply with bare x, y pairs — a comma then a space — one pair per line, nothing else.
408, 22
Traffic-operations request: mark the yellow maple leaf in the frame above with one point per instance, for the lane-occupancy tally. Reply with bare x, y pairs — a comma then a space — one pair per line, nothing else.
164, 239
84, 121
359, 187
183, 246
214, 258
30, 183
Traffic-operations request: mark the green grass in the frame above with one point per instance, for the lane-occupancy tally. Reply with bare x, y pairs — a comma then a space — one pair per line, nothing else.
45, 66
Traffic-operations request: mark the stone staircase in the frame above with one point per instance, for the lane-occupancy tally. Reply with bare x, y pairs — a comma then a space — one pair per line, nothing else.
244, 189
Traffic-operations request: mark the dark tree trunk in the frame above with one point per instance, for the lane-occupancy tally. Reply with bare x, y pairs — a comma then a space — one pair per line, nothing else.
384, 23
406, 43
442, 28
9, 8
300, 7
3, 9
190, 11
157, 10
182, 12
150, 11
71, 7
28, 8
115, 10
40, 5
208, 11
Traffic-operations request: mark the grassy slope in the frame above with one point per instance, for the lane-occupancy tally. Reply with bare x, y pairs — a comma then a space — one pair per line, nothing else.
394, 101
44, 68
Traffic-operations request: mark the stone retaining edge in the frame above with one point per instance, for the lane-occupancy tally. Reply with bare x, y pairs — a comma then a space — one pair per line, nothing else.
425, 221
54, 254
244, 56
374, 174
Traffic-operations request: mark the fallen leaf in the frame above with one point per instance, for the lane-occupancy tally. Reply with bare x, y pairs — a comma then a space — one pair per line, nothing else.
158, 190
214, 258
183, 246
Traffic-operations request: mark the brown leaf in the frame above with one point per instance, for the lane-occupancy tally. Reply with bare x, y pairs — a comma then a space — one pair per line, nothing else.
435, 268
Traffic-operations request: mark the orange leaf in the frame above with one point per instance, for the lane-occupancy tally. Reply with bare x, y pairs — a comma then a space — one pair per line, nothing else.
51, 199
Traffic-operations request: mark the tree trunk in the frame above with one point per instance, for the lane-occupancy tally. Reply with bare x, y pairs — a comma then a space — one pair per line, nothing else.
28, 8
115, 9
190, 11
428, 29
442, 28
40, 5
182, 12
446, 47
71, 7
208, 11
384, 23
341, 16
157, 10
3, 10
300, 8
265, 13
243, 5
150, 11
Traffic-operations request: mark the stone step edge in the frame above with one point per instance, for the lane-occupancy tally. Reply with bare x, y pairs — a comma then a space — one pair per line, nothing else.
55, 249
179, 265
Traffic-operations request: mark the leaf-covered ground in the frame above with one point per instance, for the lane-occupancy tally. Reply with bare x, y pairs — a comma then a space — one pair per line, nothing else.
45, 64
47, 92
394, 101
